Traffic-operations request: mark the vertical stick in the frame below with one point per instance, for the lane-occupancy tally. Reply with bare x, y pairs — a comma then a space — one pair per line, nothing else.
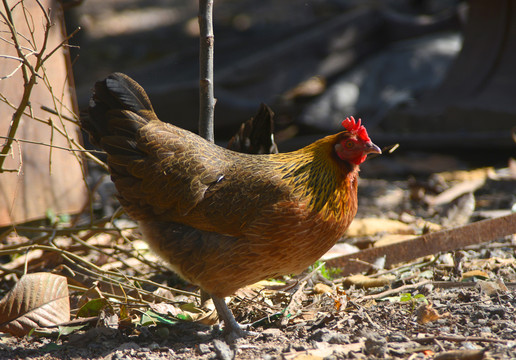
206, 97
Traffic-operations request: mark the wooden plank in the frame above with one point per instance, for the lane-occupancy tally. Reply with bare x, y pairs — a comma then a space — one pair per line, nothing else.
43, 178
428, 244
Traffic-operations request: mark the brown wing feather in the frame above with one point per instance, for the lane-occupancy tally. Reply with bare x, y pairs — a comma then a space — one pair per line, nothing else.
171, 175
166, 173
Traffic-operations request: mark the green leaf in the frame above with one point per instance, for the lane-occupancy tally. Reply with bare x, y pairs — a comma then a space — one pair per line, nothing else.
406, 297
147, 320
67, 330
428, 274
421, 298
184, 317
190, 307
64, 218
92, 307
51, 216
51, 347
152, 318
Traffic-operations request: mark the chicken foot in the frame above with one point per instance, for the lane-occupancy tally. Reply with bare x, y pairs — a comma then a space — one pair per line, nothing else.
232, 329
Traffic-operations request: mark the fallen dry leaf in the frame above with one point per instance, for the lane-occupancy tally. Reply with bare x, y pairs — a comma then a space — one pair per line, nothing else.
426, 313
459, 211
322, 289
466, 175
363, 281
492, 287
307, 357
340, 249
455, 191
27, 258
90, 294
391, 239
37, 300
165, 308
461, 355
209, 318
492, 263
373, 226
325, 351
296, 303
474, 273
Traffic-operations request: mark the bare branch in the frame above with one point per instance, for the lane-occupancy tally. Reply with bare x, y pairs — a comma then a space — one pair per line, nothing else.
53, 146
206, 97
63, 43
15, 69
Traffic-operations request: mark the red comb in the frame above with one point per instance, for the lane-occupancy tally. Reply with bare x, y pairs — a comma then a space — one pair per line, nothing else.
356, 128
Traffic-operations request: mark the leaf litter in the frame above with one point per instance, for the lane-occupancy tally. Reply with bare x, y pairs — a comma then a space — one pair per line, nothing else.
124, 303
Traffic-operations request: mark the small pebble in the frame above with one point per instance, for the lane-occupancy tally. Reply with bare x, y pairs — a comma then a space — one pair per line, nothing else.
223, 351
469, 346
299, 347
397, 337
445, 329
375, 344
203, 349
500, 311
129, 346
154, 346
332, 337
272, 333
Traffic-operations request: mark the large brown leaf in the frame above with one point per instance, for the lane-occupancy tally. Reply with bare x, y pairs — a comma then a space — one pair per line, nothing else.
37, 300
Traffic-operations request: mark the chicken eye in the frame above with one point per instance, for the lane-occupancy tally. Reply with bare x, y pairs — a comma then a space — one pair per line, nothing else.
349, 144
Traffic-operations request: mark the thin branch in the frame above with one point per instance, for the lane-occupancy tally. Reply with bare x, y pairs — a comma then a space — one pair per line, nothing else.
52, 146
89, 154
54, 112
398, 290
15, 69
103, 252
453, 338
89, 267
61, 44
11, 57
8, 19
206, 96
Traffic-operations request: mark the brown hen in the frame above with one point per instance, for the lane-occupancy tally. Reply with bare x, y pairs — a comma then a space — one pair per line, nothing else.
223, 219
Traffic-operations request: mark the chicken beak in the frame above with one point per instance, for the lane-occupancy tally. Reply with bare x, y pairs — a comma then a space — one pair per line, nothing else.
371, 148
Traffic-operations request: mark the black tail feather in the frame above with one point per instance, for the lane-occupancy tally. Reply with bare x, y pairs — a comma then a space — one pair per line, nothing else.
256, 135
126, 92
119, 106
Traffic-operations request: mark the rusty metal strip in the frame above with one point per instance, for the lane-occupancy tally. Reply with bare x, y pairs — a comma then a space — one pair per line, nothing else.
428, 244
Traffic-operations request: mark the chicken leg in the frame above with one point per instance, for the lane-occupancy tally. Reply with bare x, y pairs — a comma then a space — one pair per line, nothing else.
232, 328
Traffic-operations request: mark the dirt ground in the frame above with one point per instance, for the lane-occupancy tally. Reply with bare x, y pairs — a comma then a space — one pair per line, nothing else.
470, 320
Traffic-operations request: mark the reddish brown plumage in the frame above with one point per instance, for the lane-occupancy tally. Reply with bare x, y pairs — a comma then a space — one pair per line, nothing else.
223, 219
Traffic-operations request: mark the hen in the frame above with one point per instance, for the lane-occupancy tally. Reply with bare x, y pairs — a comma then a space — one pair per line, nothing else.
223, 219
